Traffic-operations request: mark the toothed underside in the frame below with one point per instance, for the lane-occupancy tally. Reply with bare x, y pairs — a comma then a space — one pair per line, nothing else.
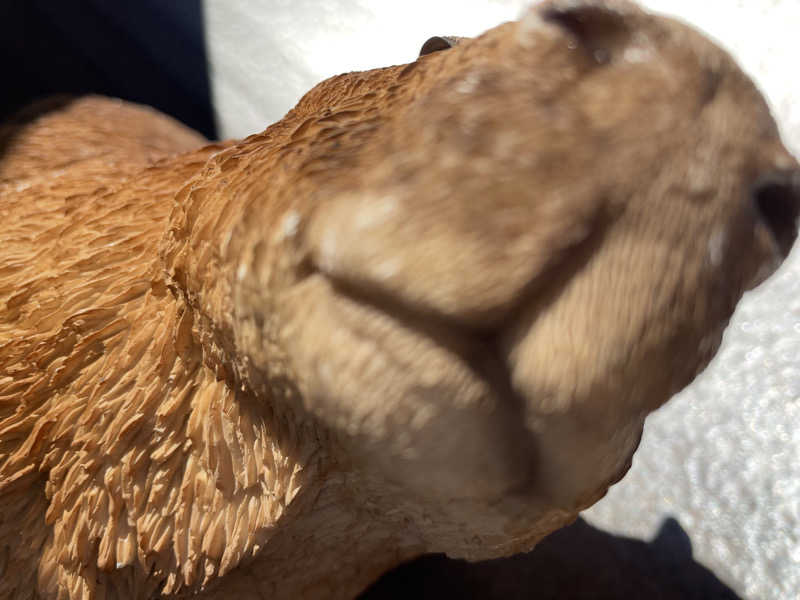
126, 467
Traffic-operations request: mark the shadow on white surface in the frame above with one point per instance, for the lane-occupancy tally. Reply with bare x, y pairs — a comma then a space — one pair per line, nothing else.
577, 562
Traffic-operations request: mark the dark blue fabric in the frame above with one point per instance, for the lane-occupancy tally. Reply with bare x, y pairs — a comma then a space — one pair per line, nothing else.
150, 51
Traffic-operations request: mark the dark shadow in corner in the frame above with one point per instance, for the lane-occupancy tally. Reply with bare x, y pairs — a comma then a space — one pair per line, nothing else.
578, 561
150, 51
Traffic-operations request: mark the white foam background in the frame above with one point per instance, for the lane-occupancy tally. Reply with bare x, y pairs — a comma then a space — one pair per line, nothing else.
723, 457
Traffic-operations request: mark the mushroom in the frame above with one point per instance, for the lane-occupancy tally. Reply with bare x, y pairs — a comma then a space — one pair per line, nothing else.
428, 310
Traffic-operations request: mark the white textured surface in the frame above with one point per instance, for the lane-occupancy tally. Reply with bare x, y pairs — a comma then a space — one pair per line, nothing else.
723, 457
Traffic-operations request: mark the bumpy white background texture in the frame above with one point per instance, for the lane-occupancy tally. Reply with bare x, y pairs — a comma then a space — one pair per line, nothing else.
723, 457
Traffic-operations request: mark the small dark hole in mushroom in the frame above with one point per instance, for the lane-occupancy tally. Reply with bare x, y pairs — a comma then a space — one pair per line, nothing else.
778, 203
569, 21
598, 30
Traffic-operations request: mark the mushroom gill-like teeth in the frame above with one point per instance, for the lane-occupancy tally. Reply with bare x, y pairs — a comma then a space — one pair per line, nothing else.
214, 540
232, 448
162, 534
252, 461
